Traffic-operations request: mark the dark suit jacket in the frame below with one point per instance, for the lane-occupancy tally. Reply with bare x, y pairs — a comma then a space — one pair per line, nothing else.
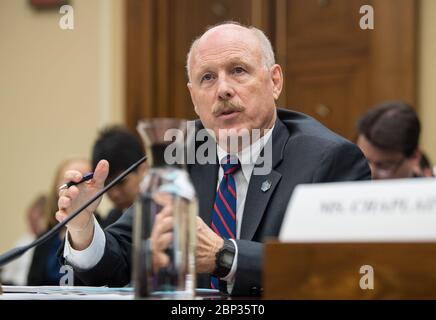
44, 269
112, 217
303, 151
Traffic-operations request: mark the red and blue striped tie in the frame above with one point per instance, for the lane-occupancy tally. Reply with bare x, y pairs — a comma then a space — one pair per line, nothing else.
224, 213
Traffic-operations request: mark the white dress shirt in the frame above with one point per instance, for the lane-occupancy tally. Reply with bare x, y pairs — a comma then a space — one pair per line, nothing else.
247, 157
89, 257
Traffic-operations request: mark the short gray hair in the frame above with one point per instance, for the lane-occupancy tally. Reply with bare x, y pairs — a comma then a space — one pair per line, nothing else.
266, 47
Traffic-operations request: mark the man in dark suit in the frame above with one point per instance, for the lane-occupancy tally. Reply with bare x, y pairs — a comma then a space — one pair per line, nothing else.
234, 83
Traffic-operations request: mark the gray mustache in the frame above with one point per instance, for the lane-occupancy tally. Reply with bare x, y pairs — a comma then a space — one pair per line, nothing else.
227, 107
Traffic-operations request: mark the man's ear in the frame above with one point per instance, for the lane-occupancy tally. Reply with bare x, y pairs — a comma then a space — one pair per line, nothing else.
416, 157
142, 169
414, 162
277, 80
189, 85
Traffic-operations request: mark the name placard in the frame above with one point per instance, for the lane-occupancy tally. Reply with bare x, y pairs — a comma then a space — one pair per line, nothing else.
390, 210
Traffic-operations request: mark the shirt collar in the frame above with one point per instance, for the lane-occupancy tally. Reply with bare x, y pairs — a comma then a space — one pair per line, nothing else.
249, 155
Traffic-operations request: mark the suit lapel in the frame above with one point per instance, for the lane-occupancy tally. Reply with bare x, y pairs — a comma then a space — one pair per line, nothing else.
205, 178
256, 202
262, 187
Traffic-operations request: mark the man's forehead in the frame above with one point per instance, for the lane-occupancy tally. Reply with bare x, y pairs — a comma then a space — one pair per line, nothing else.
228, 39
232, 50
226, 35
226, 31
374, 153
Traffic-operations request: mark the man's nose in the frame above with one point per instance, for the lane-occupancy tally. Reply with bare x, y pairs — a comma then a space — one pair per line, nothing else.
114, 192
225, 89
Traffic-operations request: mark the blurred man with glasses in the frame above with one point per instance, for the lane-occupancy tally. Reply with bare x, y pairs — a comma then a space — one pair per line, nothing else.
388, 135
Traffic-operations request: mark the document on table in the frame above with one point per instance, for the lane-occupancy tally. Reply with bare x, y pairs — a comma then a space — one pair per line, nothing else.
84, 293
65, 292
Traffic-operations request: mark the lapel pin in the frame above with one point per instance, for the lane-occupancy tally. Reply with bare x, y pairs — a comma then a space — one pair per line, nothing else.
266, 185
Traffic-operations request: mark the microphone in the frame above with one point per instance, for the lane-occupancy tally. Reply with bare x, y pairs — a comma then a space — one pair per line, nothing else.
17, 252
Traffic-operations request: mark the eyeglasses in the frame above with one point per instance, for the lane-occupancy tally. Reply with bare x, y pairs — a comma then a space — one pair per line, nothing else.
388, 168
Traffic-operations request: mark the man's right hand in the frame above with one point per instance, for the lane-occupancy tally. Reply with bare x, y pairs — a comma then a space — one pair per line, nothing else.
81, 228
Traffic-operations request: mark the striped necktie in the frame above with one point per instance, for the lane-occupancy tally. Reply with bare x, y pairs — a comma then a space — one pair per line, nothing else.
224, 213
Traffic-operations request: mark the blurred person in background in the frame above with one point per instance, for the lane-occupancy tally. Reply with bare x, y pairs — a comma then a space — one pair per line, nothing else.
44, 269
16, 272
388, 135
121, 148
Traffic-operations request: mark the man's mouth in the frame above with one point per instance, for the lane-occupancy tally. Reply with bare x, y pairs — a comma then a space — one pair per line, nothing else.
228, 114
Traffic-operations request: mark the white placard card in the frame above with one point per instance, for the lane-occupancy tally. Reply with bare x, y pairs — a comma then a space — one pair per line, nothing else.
390, 210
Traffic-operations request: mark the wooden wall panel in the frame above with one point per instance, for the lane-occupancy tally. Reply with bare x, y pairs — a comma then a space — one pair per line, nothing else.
335, 71
393, 56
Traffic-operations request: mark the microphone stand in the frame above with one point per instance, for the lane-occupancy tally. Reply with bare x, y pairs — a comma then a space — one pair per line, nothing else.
17, 252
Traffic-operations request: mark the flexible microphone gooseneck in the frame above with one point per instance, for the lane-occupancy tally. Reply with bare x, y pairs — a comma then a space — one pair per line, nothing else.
16, 252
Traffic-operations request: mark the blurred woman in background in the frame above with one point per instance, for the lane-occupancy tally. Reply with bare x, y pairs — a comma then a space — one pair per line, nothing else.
45, 267
16, 272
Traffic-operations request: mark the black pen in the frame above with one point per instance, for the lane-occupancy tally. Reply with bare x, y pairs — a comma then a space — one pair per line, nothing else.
85, 177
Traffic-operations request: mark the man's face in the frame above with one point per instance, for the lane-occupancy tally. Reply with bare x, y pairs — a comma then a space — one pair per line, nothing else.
230, 86
37, 220
124, 193
386, 164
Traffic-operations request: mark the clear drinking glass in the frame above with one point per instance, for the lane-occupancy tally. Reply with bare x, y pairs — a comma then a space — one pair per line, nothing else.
166, 182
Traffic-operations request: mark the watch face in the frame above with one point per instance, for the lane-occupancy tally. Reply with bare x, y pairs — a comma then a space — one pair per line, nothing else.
224, 259
227, 259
